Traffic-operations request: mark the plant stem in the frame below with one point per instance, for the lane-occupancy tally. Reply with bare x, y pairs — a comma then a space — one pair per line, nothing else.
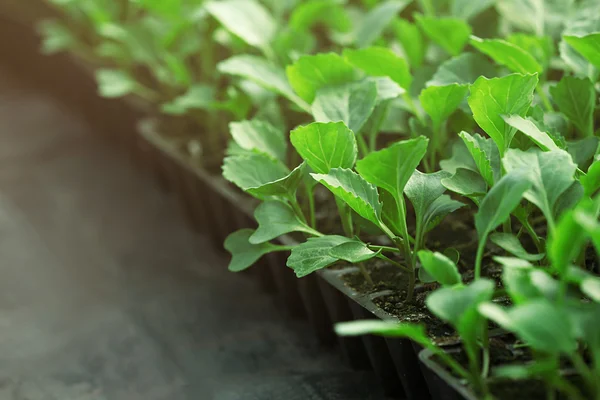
438, 132
564, 386
311, 206
365, 273
297, 209
485, 368
362, 145
448, 360
545, 101
383, 248
413, 108
397, 264
479, 256
346, 217
584, 371
506, 226
533, 235
428, 8
379, 115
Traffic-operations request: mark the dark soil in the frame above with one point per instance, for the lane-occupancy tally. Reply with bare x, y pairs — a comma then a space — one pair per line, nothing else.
503, 351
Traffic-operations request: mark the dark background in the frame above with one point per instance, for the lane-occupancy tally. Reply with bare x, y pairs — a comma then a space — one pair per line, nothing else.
105, 293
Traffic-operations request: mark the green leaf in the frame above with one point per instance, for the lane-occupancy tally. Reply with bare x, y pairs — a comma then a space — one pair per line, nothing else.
576, 98
306, 14
387, 89
114, 83
539, 17
392, 167
588, 220
588, 46
485, 154
243, 253
411, 40
354, 252
198, 97
276, 218
566, 242
422, 189
492, 98
285, 186
425, 193
541, 48
313, 254
461, 158
540, 324
569, 198
591, 288
550, 173
372, 25
591, 181
467, 9
451, 34
312, 72
259, 135
380, 61
56, 37
505, 53
450, 304
516, 277
501, 200
530, 129
252, 171
247, 19
352, 104
582, 151
467, 183
325, 145
463, 70
438, 210
384, 328
439, 102
511, 243
350, 187
262, 72
440, 267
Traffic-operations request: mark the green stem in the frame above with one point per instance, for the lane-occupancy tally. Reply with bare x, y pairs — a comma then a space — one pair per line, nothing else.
545, 101
365, 273
397, 264
346, 217
311, 206
383, 248
564, 386
413, 108
485, 370
584, 371
379, 116
448, 360
297, 209
506, 226
428, 8
533, 235
362, 145
438, 133
479, 256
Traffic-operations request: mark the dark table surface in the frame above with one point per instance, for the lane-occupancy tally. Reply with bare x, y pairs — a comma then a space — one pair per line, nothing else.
106, 294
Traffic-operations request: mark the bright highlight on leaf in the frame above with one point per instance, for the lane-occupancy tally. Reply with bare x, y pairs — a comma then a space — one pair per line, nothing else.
490, 99
325, 145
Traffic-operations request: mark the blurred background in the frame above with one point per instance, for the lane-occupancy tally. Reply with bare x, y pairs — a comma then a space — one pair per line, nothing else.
105, 293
